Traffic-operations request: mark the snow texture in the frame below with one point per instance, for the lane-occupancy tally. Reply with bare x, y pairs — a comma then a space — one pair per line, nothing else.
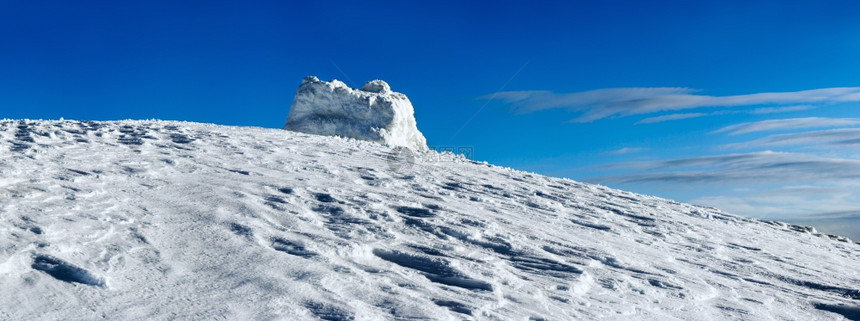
153, 220
374, 113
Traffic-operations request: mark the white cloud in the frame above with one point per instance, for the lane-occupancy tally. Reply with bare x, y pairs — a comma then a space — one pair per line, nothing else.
660, 119
773, 110
758, 168
602, 103
757, 111
843, 138
625, 151
790, 123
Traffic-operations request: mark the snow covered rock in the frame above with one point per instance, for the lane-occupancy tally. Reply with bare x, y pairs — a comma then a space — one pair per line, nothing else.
373, 113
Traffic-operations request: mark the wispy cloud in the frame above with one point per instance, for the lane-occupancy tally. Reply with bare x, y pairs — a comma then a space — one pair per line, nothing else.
625, 151
602, 103
788, 124
757, 111
773, 110
660, 119
843, 138
756, 168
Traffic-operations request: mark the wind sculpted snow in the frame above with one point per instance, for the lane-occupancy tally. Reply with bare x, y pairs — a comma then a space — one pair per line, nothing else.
373, 113
153, 220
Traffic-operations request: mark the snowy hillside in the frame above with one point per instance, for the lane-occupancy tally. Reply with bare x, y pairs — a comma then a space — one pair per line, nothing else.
151, 220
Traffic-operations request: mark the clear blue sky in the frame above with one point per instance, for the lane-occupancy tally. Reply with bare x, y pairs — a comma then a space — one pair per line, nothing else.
639, 95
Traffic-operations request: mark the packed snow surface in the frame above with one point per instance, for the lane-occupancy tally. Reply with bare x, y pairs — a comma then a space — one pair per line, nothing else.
373, 113
153, 220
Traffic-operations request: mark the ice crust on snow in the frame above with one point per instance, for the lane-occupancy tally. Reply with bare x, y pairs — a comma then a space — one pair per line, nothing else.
158, 220
373, 113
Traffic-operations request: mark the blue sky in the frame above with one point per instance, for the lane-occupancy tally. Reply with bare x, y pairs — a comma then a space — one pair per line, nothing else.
748, 106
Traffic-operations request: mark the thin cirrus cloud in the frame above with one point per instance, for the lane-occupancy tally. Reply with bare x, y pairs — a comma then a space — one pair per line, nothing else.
843, 138
787, 124
750, 168
757, 111
619, 102
660, 119
625, 151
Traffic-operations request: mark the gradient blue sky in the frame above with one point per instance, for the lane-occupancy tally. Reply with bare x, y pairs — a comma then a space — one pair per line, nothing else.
659, 97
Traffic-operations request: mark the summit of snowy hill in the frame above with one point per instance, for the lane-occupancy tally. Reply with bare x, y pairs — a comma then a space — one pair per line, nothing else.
373, 113
156, 220
376, 86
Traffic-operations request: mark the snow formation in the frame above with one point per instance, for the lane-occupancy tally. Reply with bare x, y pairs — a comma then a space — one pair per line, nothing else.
152, 220
373, 113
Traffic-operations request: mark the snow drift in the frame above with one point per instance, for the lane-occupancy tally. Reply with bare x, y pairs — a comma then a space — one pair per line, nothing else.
374, 113
152, 220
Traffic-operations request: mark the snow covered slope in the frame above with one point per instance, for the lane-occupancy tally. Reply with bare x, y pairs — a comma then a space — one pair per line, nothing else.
374, 113
151, 220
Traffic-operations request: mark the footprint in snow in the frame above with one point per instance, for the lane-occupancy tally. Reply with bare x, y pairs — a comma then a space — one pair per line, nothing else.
64, 271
